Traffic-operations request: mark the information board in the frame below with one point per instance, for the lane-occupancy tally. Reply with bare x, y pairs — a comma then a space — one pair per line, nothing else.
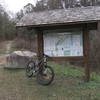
69, 43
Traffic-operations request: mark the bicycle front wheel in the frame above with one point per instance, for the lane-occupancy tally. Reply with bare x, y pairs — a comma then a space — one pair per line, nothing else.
45, 76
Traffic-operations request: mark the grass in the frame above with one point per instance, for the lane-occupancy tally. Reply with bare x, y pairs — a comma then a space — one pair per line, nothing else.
66, 70
68, 85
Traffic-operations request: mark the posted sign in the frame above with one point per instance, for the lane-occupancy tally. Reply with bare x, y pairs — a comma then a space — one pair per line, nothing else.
63, 43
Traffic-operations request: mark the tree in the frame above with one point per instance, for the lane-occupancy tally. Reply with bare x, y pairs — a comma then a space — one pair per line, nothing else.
63, 4
7, 29
19, 15
55, 4
41, 5
28, 8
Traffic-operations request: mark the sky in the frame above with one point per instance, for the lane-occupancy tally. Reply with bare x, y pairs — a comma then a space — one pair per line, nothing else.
15, 5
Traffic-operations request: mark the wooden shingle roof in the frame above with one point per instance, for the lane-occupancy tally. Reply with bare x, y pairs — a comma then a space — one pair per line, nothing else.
62, 16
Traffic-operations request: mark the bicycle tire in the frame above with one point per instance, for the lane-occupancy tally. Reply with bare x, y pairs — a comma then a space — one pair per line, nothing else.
29, 69
40, 75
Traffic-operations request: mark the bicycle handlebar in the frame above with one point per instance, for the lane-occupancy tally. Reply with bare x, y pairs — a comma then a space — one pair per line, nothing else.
46, 55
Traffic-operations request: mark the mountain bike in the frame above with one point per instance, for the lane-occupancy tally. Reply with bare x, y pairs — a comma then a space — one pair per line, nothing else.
44, 74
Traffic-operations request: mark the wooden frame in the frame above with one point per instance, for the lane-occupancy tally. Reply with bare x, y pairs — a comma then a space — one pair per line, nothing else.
40, 40
86, 52
40, 46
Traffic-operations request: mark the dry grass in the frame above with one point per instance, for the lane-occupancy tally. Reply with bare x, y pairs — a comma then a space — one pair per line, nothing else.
14, 85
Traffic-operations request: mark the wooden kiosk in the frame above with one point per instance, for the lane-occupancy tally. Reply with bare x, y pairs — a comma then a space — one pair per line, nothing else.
64, 34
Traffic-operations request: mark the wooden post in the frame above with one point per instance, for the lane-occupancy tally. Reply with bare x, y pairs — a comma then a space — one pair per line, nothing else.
86, 52
98, 27
39, 44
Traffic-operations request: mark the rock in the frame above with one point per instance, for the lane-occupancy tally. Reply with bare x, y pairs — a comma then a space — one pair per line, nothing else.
19, 59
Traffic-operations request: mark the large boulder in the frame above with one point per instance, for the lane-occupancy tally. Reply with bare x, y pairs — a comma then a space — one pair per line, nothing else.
19, 59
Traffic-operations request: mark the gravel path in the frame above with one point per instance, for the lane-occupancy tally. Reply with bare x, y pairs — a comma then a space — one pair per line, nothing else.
6, 45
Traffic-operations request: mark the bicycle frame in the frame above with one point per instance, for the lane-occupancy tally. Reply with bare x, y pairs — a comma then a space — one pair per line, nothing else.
42, 62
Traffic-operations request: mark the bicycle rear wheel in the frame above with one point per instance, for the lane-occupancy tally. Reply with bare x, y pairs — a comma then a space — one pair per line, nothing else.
30, 68
45, 76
